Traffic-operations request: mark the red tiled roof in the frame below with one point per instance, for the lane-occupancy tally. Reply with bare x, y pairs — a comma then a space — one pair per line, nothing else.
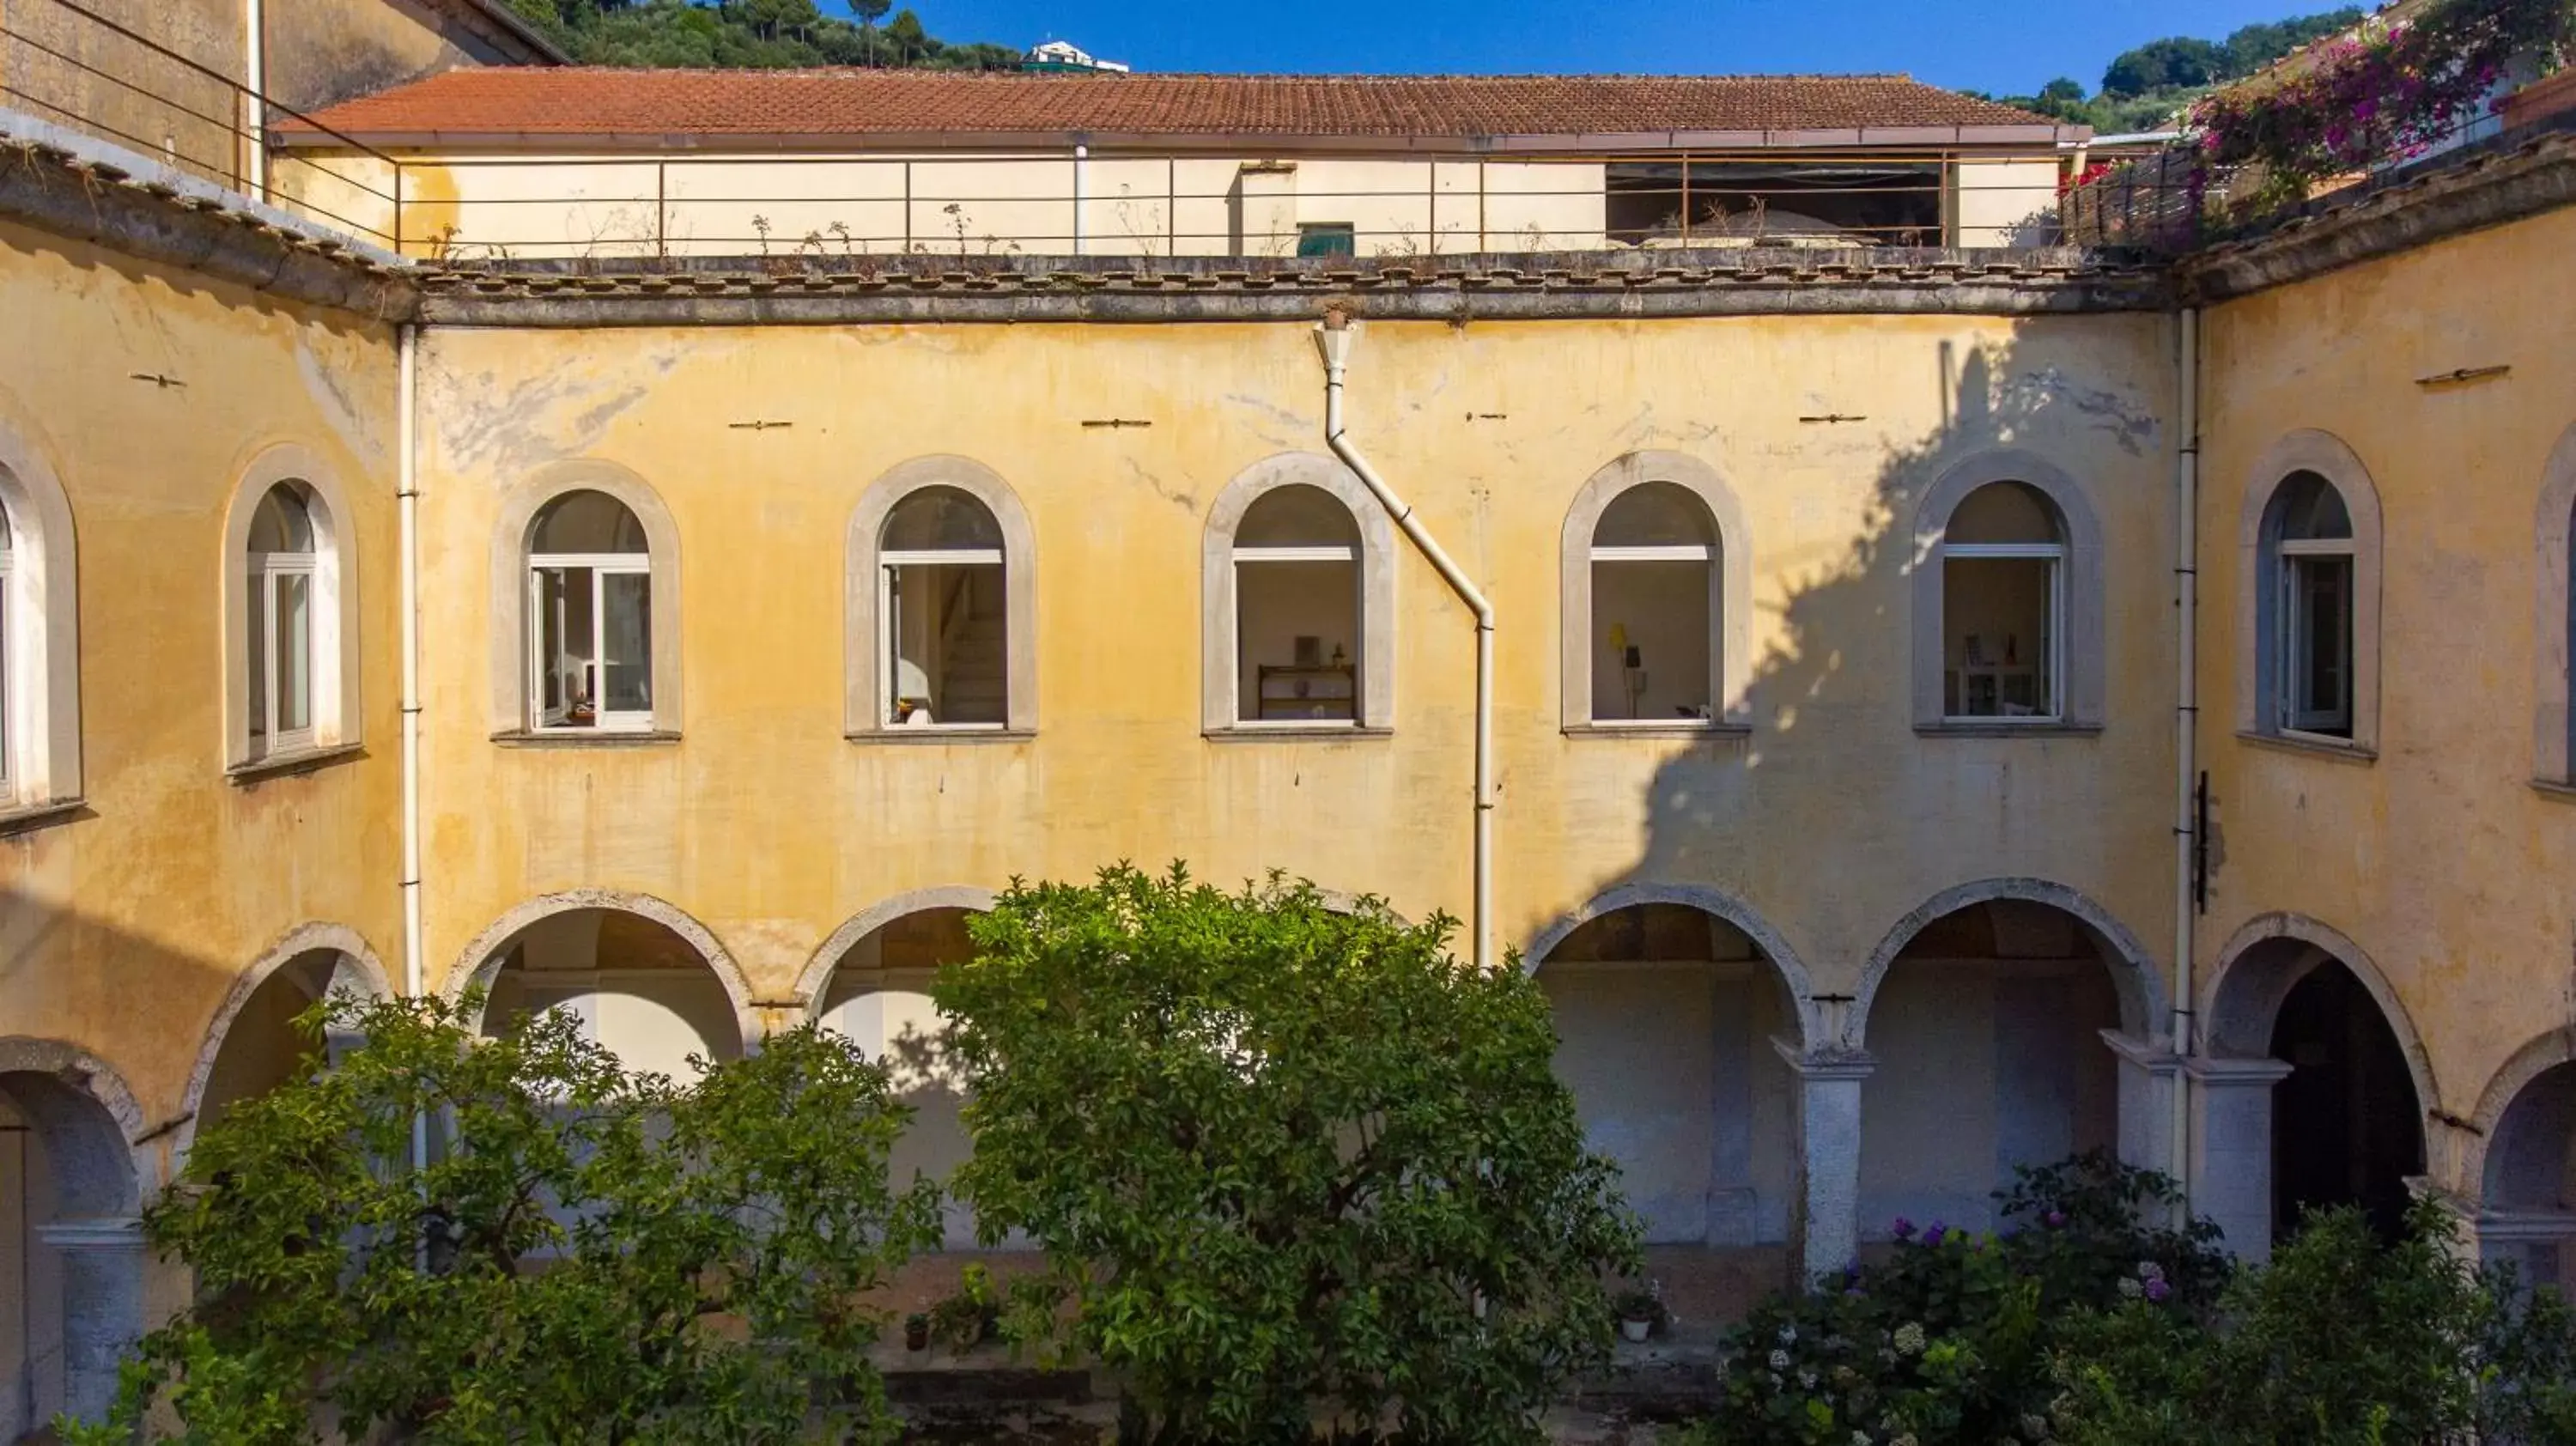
497, 102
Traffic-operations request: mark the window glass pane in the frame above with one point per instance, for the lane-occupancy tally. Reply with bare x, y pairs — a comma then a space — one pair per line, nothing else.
1298, 640
945, 631
941, 519
1327, 238
1655, 514
2311, 509
2321, 679
256, 653
294, 652
1998, 618
1297, 516
587, 521
564, 647
1650, 640
8, 616
627, 636
2003, 512
283, 521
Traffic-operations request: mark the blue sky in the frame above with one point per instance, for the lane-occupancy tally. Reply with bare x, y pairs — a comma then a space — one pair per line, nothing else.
1995, 45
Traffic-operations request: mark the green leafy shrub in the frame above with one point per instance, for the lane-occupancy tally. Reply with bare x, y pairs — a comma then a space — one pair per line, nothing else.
2342, 1338
593, 1256
1275, 1153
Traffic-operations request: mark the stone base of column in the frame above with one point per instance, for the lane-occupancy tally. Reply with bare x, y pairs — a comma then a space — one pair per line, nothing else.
102, 1275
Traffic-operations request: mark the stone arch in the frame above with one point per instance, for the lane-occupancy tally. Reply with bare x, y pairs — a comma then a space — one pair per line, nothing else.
1731, 674
520, 503
2085, 647
2245, 991
814, 981
357, 968
108, 1178
86, 1125
1711, 901
339, 715
480, 961
1681, 1018
2327, 456
862, 710
2554, 530
2141, 987
46, 767
1218, 663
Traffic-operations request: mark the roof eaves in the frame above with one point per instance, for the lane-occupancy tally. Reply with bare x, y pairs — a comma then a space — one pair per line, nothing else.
1266, 142
500, 13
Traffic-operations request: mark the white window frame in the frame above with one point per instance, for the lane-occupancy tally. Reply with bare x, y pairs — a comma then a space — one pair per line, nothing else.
889, 626
2054, 624
12, 612
602, 566
1349, 553
1699, 552
2290, 650
266, 570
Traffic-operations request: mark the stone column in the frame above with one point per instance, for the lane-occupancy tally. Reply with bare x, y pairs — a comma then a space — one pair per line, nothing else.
102, 1273
2147, 1072
1824, 1232
2231, 1148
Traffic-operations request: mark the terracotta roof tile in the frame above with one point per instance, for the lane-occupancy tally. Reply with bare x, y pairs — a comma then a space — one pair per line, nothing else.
507, 101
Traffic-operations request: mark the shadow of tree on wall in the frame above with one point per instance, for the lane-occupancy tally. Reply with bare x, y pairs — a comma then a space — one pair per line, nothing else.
1833, 743
1834, 774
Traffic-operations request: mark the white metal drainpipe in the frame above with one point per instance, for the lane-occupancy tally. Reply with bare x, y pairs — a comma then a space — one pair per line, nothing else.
255, 81
407, 505
2186, 729
1333, 340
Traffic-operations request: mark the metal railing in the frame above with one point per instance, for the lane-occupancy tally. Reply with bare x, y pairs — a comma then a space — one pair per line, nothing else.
483, 208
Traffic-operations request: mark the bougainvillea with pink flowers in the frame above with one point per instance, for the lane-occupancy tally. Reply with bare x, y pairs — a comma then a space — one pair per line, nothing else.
2386, 94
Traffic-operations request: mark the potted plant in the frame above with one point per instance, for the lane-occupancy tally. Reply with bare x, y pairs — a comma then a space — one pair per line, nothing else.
966, 1320
1639, 1310
916, 1332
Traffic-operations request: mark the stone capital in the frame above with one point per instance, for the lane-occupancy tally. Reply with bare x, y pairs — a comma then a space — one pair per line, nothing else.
1826, 1063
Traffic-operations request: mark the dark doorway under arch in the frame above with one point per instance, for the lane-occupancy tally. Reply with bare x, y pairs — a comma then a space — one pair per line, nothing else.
2346, 1127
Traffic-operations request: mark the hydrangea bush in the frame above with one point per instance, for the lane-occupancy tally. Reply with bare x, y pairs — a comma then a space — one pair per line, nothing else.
1947, 1339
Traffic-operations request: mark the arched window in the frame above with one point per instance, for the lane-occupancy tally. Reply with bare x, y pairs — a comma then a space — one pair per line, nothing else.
2312, 566
290, 614
1297, 609
1655, 601
942, 598
2553, 681
39, 638
278, 643
941, 623
590, 616
1297, 579
2307, 604
2003, 606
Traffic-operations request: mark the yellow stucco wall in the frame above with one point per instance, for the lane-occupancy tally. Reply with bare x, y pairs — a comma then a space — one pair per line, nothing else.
122, 929
2439, 859
1832, 819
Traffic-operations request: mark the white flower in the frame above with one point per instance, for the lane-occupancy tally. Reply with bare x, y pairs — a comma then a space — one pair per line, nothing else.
1806, 1380
1779, 1360
2131, 1290
1909, 1338
1788, 1335
2149, 1270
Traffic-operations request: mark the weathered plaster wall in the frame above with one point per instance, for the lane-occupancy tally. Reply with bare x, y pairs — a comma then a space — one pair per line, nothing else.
123, 927
1832, 819
2438, 859
324, 51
